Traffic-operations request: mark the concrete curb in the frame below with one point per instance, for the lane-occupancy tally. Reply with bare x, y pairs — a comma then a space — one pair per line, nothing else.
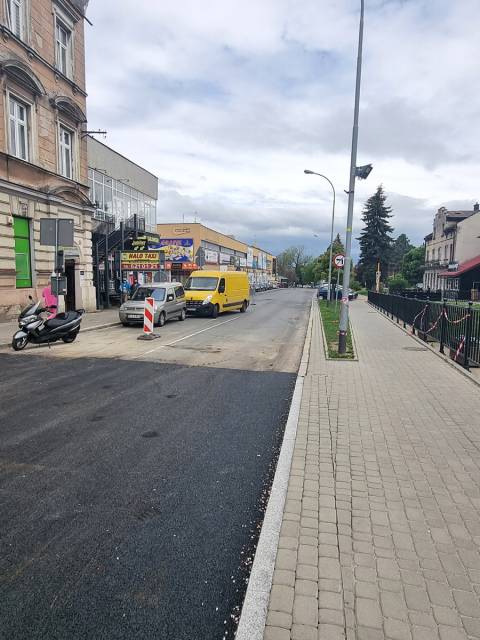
442, 356
255, 606
94, 328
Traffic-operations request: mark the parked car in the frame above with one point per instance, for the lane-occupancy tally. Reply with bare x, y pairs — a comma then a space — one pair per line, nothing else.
169, 302
322, 293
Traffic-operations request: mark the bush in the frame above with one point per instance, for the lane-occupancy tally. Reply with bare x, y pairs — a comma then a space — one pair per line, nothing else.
355, 285
397, 284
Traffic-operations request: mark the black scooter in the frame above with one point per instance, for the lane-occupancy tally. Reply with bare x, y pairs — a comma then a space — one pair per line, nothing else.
33, 328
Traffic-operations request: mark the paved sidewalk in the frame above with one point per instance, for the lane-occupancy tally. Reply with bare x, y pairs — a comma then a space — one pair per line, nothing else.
381, 528
89, 321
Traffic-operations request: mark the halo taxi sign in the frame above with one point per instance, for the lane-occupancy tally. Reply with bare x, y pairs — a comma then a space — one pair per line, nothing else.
339, 260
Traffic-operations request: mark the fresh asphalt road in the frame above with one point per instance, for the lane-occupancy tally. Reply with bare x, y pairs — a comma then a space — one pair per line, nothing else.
133, 484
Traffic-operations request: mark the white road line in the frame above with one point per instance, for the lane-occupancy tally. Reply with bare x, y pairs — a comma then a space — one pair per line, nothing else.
169, 344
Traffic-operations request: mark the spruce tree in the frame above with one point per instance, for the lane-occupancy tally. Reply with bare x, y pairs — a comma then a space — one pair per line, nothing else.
375, 239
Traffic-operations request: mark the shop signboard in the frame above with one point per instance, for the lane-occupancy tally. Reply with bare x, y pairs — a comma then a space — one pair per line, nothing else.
211, 257
140, 260
224, 258
242, 262
177, 249
144, 242
250, 257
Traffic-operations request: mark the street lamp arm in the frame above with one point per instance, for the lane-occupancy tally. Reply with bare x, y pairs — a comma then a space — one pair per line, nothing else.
308, 172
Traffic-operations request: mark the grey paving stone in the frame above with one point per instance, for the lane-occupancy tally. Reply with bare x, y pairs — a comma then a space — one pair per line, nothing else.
279, 619
368, 613
276, 633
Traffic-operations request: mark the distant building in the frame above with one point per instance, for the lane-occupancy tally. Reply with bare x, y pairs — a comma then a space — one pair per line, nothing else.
449, 243
462, 277
43, 155
120, 188
125, 198
204, 248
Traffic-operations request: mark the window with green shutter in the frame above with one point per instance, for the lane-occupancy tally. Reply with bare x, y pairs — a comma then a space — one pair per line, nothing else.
21, 228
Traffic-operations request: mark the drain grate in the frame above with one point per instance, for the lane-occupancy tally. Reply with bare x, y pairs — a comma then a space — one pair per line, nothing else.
414, 349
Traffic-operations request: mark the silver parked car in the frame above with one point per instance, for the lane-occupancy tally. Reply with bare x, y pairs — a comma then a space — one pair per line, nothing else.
169, 301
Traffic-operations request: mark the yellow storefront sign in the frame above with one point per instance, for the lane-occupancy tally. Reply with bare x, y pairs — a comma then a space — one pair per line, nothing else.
140, 260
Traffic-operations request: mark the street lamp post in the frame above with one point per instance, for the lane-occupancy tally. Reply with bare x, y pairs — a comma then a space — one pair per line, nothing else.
343, 325
329, 292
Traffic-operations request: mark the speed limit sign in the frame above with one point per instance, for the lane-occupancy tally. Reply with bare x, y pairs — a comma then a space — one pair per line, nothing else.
339, 261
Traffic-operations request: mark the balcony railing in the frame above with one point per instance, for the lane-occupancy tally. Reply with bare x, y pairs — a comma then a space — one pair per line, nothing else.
437, 264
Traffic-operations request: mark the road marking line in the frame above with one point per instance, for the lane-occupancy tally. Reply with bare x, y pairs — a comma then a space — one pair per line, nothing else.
169, 344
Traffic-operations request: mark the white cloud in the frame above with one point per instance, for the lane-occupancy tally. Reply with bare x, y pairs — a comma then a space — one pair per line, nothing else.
228, 102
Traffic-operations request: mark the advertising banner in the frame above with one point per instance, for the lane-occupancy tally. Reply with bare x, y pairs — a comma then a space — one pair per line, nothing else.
211, 257
250, 257
140, 260
242, 262
177, 249
224, 258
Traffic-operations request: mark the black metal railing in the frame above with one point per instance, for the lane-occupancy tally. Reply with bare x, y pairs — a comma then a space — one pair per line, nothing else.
455, 327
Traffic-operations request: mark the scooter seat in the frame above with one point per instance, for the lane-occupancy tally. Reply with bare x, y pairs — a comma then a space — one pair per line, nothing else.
61, 319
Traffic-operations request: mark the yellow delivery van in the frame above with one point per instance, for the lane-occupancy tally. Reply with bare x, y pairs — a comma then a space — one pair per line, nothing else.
212, 292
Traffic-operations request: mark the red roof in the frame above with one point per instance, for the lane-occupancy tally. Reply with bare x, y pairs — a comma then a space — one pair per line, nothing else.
462, 268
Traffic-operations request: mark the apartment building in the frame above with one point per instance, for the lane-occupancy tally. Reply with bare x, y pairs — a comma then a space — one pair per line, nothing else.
443, 247
43, 154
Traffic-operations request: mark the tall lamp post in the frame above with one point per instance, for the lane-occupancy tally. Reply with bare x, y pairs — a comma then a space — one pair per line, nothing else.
314, 173
343, 325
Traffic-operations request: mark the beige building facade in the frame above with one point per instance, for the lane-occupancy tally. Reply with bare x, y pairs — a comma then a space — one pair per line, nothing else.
446, 245
43, 156
214, 250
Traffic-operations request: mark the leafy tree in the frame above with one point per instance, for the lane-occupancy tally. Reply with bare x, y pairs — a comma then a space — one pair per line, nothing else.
290, 263
321, 266
375, 239
413, 264
397, 284
400, 247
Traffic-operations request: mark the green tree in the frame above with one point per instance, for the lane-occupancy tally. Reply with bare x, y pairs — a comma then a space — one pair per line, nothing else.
290, 264
321, 263
375, 239
400, 247
413, 265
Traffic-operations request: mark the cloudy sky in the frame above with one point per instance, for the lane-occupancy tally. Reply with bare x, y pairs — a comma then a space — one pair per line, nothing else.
228, 101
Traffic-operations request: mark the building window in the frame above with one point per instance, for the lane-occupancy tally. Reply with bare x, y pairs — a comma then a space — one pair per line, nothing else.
18, 130
16, 16
63, 48
66, 152
21, 230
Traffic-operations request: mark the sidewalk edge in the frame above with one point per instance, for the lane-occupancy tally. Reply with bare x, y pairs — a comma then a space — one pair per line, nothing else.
255, 605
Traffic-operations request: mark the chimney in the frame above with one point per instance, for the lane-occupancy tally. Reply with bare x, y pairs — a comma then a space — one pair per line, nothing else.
476, 207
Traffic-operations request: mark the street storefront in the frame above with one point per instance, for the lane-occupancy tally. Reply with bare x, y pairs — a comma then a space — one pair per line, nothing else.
195, 246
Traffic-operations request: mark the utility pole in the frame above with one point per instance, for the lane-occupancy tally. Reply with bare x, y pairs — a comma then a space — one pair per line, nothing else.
343, 325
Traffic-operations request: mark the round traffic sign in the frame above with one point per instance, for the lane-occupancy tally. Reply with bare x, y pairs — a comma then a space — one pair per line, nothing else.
339, 260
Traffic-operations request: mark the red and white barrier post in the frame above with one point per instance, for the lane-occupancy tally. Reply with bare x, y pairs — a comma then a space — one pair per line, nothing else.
148, 315
148, 320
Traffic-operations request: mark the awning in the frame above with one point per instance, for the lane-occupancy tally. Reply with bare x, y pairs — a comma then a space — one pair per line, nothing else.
462, 268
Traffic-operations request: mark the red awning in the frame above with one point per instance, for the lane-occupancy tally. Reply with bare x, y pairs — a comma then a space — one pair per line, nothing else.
462, 268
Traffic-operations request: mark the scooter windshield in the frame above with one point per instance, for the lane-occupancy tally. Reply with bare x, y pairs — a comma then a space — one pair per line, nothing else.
29, 309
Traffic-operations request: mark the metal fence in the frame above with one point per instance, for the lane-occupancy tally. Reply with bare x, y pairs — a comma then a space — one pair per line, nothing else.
456, 328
